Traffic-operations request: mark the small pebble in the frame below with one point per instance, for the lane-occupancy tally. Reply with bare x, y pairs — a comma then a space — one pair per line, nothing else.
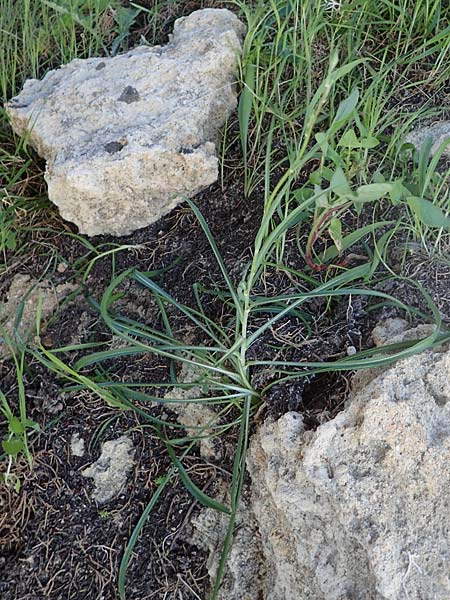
77, 445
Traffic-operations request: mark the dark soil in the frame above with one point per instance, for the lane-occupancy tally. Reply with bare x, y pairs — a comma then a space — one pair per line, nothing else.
57, 543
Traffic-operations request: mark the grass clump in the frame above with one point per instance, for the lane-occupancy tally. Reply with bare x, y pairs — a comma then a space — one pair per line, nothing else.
286, 53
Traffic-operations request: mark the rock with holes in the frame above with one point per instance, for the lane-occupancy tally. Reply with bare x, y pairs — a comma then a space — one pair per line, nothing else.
19, 310
437, 133
360, 507
127, 138
199, 418
111, 470
244, 575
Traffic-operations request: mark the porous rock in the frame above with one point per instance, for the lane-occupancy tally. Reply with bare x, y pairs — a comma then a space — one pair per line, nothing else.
198, 418
359, 508
437, 132
244, 574
111, 470
19, 310
77, 445
126, 138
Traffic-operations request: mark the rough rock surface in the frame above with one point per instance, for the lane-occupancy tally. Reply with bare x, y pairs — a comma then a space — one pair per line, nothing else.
437, 132
111, 470
77, 445
359, 509
127, 137
197, 417
30, 292
244, 576
390, 331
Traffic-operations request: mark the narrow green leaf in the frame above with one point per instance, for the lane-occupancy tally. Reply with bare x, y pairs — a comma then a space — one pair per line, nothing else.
195, 491
354, 237
216, 252
245, 105
137, 530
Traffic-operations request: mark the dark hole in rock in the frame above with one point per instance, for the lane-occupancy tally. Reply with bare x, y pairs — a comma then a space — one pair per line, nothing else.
100, 66
323, 397
16, 103
129, 95
441, 400
318, 398
113, 147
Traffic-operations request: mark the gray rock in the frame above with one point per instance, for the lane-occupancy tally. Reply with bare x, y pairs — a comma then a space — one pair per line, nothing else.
389, 331
199, 418
438, 132
244, 575
77, 445
359, 508
111, 470
126, 138
19, 310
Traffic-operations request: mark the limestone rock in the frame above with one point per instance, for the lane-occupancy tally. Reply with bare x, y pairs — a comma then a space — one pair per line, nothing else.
77, 445
31, 292
126, 138
437, 132
111, 470
359, 508
244, 575
199, 418
390, 331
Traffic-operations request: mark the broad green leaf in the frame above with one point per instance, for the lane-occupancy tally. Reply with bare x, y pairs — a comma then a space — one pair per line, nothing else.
322, 201
12, 446
345, 110
32, 425
339, 184
373, 191
335, 231
322, 140
315, 178
327, 173
378, 177
349, 140
15, 426
369, 142
397, 192
428, 213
